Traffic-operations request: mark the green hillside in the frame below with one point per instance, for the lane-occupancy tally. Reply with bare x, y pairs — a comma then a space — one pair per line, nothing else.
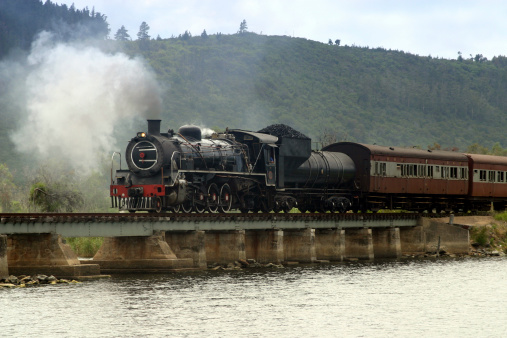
249, 81
358, 94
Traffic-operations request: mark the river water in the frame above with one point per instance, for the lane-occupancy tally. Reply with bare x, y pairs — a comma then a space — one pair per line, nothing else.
420, 298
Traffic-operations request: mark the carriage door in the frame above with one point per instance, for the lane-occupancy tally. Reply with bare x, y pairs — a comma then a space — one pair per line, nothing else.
269, 157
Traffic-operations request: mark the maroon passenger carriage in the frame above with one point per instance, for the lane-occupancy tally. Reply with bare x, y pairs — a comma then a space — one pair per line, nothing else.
488, 179
415, 179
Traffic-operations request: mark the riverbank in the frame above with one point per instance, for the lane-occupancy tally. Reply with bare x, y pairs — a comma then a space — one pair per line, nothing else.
27, 281
488, 234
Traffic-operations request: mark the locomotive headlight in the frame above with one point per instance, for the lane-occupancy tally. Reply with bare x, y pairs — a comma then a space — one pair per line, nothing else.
141, 134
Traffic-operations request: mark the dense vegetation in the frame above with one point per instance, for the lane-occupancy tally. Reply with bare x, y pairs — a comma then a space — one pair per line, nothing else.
21, 20
360, 94
245, 80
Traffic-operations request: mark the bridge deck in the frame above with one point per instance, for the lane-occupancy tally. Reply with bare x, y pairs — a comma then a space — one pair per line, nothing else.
117, 225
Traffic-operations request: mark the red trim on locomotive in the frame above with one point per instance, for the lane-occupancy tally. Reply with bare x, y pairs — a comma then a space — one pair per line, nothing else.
149, 190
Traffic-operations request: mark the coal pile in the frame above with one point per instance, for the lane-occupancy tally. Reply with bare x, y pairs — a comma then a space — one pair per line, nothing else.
282, 130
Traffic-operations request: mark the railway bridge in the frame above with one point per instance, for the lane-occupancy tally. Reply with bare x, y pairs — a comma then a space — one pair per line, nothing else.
35, 243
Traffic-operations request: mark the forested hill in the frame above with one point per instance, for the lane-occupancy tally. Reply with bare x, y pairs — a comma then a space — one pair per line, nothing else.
357, 94
249, 81
22, 20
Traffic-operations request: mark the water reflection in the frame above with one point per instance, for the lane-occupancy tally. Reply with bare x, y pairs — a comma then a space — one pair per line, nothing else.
458, 297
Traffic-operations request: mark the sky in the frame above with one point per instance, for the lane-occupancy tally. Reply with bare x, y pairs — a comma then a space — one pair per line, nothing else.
440, 28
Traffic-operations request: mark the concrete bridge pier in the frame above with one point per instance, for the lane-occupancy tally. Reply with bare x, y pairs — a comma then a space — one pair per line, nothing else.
225, 246
188, 244
413, 240
265, 246
359, 243
139, 254
330, 244
4, 270
386, 242
299, 245
452, 239
47, 254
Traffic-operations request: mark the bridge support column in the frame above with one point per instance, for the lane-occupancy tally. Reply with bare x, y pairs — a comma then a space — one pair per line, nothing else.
224, 247
188, 244
139, 254
412, 240
4, 270
299, 245
386, 242
47, 254
265, 246
453, 239
329, 244
359, 244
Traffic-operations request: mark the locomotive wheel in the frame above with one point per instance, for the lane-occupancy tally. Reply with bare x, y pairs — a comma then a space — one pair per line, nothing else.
186, 207
200, 204
158, 205
225, 198
213, 197
176, 208
264, 206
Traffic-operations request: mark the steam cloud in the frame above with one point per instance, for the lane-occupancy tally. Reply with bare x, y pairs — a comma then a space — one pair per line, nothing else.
76, 95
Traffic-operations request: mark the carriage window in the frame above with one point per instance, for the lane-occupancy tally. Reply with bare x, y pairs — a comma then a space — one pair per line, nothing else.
482, 175
454, 172
422, 171
500, 176
376, 168
491, 177
463, 173
444, 173
383, 169
430, 171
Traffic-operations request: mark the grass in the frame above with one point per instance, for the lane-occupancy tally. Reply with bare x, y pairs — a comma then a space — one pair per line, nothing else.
494, 235
85, 246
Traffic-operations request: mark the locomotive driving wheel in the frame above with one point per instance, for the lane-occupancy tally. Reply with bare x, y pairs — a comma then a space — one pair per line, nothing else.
213, 197
186, 207
225, 198
200, 202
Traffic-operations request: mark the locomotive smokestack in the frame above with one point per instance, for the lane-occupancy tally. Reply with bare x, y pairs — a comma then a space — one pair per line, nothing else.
154, 127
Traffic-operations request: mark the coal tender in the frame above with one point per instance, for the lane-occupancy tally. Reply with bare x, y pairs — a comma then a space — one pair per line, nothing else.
273, 169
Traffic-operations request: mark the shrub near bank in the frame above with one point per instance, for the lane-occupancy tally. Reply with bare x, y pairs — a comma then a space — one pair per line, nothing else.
491, 236
85, 246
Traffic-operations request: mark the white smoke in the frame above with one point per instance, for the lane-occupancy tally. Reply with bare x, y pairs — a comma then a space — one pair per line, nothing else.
76, 95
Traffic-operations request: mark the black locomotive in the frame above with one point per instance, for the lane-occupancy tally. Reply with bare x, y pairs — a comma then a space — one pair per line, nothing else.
274, 169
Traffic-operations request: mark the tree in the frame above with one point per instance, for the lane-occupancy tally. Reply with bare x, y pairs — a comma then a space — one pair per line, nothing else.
55, 190
330, 42
204, 34
460, 57
186, 36
243, 27
143, 31
6, 188
122, 34
337, 42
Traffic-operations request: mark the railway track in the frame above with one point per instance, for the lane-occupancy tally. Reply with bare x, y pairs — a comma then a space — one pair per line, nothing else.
183, 217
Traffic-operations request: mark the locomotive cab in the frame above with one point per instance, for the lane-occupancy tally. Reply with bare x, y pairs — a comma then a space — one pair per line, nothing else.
262, 152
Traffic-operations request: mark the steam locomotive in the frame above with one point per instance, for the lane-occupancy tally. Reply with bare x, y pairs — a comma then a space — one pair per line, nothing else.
275, 169
237, 169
